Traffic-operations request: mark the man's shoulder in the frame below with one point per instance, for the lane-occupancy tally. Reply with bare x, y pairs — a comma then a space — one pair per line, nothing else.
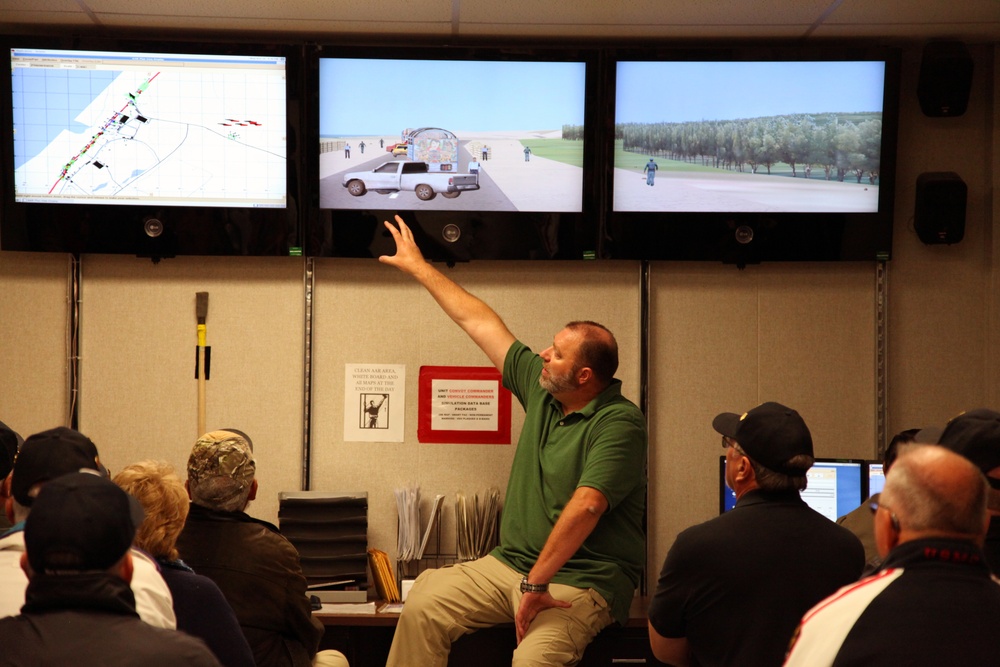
162, 646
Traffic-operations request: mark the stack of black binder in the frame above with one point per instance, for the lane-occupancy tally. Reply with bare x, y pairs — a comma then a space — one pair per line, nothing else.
330, 531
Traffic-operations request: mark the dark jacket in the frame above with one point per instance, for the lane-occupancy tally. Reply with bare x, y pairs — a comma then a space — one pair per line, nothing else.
202, 611
89, 620
258, 571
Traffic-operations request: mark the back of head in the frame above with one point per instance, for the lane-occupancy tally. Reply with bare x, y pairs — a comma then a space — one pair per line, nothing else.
10, 442
774, 437
221, 471
974, 434
598, 349
934, 490
47, 455
80, 522
892, 449
165, 502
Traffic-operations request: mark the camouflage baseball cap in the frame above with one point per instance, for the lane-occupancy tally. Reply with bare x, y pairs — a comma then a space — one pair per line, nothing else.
222, 454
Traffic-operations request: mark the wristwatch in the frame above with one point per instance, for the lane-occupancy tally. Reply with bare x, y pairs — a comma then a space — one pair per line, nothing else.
532, 588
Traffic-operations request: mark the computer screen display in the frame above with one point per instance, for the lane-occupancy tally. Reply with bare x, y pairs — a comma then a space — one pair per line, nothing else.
488, 135
876, 478
749, 136
130, 127
835, 487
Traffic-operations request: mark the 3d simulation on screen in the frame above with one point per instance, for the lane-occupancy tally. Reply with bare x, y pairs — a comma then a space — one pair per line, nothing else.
110, 127
484, 135
760, 137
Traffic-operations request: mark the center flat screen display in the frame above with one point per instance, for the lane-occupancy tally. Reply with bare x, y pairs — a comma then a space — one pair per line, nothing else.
734, 136
835, 486
155, 129
451, 134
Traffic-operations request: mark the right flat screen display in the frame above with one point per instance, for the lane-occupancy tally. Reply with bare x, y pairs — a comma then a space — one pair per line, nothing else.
783, 156
763, 136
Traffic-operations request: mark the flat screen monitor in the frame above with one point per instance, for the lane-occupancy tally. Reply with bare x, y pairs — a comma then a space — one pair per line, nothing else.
486, 152
876, 477
158, 148
451, 134
835, 486
753, 154
147, 128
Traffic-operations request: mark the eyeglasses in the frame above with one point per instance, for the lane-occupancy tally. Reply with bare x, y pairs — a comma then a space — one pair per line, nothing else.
893, 519
727, 442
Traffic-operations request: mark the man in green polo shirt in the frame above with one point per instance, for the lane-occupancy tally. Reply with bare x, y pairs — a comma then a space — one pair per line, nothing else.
571, 533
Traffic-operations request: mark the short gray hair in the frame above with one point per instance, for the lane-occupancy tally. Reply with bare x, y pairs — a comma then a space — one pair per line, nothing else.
772, 480
926, 502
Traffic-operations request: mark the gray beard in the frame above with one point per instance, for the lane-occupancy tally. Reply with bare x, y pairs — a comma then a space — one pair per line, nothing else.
555, 385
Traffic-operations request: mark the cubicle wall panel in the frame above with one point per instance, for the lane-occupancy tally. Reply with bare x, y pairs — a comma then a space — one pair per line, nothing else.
817, 351
139, 395
943, 341
725, 340
34, 350
370, 313
703, 361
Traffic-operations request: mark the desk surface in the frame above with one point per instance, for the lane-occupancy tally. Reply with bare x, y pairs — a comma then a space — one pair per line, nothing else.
636, 616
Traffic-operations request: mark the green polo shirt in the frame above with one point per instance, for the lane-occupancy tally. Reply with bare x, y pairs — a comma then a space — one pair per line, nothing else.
602, 446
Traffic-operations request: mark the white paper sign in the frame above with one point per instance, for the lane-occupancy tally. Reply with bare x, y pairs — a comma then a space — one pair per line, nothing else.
374, 402
465, 405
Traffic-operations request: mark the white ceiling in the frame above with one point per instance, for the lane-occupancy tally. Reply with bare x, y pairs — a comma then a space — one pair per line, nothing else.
972, 21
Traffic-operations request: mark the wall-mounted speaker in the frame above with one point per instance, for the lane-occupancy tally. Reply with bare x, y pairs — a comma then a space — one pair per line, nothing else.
945, 79
939, 213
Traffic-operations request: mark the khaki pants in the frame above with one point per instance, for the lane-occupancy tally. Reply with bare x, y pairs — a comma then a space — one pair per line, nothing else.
329, 659
446, 603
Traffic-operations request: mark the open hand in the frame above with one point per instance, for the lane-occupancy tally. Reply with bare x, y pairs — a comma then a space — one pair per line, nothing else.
408, 255
531, 605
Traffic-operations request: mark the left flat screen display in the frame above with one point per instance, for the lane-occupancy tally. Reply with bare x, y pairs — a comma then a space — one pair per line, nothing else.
150, 129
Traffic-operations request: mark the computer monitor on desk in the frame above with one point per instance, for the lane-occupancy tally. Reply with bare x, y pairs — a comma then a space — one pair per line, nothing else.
876, 477
836, 486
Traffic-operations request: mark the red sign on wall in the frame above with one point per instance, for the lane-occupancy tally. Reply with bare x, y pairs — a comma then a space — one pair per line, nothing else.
463, 404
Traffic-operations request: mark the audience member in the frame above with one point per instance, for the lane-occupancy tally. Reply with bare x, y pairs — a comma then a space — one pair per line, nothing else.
859, 520
256, 568
976, 436
733, 588
933, 602
79, 609
10, 442
45, 456
571, 539
201, 609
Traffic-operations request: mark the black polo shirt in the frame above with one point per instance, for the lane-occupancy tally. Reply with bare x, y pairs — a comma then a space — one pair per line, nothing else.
737, 585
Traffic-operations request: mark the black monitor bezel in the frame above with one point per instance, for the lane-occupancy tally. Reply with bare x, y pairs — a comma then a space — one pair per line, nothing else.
492, 235
719, 236
122, 228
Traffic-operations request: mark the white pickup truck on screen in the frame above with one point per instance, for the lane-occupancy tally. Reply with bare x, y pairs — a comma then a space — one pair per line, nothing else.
413, 176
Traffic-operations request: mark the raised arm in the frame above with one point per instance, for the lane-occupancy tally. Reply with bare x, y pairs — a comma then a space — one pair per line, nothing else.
477, 319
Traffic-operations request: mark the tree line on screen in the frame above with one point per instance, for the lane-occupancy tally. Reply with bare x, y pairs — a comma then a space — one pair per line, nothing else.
839, 144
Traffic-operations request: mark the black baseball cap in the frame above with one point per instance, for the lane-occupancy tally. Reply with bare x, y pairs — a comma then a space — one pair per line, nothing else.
770, 434
80, 522
975, 434
50, 454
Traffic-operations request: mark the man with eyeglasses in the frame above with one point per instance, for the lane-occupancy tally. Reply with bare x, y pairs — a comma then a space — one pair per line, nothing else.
732, 589
933, 601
